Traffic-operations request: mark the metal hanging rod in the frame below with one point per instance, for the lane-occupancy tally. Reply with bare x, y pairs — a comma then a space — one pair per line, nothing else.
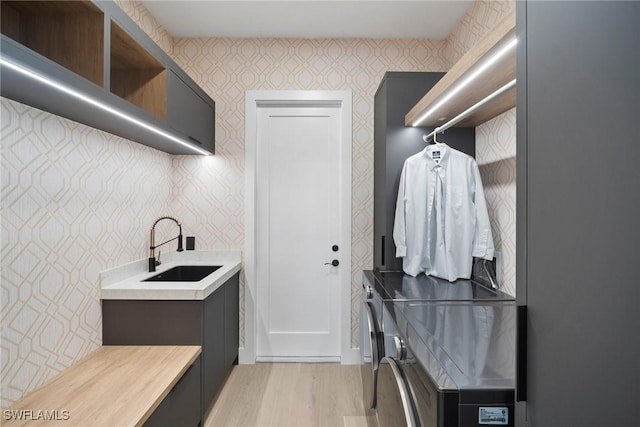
466, 113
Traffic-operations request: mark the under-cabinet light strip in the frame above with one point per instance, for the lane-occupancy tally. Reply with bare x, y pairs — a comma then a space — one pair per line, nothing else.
492, 60
466, 113
63, 88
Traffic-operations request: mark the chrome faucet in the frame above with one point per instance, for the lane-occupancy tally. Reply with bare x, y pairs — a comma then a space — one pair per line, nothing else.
152, 246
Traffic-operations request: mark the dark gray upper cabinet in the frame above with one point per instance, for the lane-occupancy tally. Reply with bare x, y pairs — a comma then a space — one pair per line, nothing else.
189, 113
94, 65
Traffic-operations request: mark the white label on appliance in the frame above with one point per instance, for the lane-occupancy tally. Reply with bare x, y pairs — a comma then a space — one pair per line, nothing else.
493, 415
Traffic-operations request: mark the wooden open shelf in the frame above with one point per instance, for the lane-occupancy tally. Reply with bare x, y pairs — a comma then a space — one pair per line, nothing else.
70, 33
136, 75
500, 73
96, 49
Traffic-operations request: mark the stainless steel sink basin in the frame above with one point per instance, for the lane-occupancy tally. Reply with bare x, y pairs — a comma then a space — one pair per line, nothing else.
184, 273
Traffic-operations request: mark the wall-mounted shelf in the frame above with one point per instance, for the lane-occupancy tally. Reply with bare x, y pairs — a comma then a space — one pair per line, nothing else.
492, 59
88, 61
136, 75
56, 28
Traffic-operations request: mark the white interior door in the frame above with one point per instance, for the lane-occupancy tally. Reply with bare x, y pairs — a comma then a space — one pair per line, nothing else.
298, 222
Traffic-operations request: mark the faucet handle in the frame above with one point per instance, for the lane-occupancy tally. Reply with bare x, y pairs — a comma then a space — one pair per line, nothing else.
158, 262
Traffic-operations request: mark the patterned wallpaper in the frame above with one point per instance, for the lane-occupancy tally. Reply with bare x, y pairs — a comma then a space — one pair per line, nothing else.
481, 17
75, 201
148, 23
226, 68
496, 154
495, 141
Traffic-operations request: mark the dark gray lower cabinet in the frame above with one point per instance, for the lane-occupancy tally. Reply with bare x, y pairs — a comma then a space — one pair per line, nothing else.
232, 325
211, 323
181, 407
213, 349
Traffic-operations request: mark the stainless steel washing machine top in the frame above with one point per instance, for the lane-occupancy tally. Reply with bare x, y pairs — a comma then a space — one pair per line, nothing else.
454, 364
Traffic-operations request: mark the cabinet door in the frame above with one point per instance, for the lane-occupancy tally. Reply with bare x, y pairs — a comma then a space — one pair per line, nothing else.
213, 346
185, 398
231, 321
182, 405
151, 322
578, 210
189, 114
161, 417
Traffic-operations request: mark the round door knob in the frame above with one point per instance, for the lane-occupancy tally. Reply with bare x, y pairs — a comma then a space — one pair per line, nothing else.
335, 263
335, 248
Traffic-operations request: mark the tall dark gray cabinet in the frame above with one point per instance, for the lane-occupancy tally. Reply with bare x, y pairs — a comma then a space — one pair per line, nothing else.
578, 206
393, 143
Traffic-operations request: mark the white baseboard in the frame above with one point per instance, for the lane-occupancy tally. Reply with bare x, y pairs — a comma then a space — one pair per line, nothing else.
245, 357
352, 357
261, 359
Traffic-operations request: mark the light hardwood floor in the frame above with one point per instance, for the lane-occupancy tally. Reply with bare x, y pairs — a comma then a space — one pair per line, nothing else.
291, 394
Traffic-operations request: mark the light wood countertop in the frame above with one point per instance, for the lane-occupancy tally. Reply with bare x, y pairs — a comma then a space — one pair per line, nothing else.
114, 386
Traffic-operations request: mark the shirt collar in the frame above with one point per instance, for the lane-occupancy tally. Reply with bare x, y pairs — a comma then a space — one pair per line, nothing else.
443, 160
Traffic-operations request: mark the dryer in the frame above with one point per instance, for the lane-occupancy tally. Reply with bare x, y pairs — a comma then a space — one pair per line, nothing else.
380, 287
452, 364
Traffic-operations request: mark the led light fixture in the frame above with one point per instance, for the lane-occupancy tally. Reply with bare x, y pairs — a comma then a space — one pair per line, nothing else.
96, 103
471, 77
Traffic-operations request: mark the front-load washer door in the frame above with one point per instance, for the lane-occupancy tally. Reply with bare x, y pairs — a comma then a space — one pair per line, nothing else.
370, 368
395, 404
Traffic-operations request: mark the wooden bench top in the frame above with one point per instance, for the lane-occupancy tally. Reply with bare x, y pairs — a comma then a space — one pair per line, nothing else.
114, 386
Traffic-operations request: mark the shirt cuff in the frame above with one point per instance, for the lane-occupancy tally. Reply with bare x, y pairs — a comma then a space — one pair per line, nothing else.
401, 251
482, 252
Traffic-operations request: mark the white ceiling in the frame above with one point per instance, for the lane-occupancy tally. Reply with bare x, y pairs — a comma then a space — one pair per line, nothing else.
309, 18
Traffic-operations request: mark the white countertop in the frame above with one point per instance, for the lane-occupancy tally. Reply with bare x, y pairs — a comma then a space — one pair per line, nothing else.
126, 281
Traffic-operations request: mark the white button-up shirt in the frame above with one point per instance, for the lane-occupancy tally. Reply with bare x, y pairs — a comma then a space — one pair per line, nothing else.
441, 220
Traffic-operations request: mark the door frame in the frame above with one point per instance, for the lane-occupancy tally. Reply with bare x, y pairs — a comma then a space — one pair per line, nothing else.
255, 99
